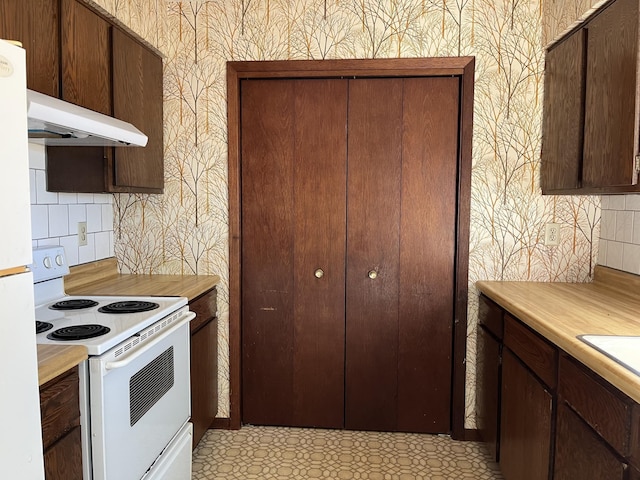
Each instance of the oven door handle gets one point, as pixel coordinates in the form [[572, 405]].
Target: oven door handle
[[161, 336]]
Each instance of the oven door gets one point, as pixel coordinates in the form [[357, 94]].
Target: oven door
[[138, 402]]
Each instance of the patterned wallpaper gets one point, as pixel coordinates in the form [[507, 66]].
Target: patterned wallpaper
[[185, 230]]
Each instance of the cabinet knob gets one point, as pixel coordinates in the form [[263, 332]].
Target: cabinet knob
[[319, 273], [372, 274]]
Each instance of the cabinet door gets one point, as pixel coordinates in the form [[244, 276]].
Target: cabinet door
[[137, 99], [563, 120], [293, 251], [525, 427], [610, 126], [581, 453], [35, 24], [86, 57], [204, 378], [63, 461], [488, 390]]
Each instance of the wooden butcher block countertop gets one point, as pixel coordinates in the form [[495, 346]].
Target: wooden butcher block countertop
[[102, 278], [610, 305], [54, 360]]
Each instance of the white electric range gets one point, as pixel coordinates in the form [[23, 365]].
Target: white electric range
[[135, 386]]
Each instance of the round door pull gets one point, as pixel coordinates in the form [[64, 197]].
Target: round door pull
[[372, 274], [319, 273]]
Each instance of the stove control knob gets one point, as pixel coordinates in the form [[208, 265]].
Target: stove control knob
[[59, 260], [47, 262]]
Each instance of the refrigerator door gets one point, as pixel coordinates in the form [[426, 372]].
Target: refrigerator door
[[20, 436], [15, 208]]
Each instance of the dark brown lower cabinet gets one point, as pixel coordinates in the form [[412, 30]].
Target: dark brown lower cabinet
[[204, 364], [581, 453], [63, 460], [526, 423], [60, 416], [557, 418], [488, 372]]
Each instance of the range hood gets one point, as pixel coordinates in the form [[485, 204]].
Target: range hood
[[56, 122]]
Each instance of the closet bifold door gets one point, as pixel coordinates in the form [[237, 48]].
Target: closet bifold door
[[293, 171], [427, 252], [373, 242], [402, 175]]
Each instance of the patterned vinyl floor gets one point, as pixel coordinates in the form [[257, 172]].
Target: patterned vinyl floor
[[300, 453]]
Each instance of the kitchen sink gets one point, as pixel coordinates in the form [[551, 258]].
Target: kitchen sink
[[624, 350]]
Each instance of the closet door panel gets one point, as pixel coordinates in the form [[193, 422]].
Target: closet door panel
[[427, 253], [373, 219], [320, 242], [267, 251], [294, 225]]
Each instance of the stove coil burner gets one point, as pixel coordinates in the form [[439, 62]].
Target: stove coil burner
[[78, 332], [128, 306], [74, 304], [42, 326]]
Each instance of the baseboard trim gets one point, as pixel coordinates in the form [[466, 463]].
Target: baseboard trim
[[221, 423], [472, 435]]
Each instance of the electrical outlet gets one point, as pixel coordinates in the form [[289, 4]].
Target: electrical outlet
[[552, 234], [82, 234]]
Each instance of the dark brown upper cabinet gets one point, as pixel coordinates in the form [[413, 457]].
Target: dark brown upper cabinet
[[137, 99], [35, 24], [85, 57], [75, 53], [591, 108]]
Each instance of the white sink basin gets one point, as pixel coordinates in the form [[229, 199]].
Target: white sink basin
[[622, 349]]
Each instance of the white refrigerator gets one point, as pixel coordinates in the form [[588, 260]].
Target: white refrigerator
[[20, 430]]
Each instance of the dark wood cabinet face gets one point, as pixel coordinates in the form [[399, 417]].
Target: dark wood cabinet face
[[349, 224], [86, 57], [63, 461], [106, 70], [609, 130], [137, 99], [488, 371], [526, 423], [61, 436], [204, 378], [580, 453], [35, 24], [590, 123], [563, 120]]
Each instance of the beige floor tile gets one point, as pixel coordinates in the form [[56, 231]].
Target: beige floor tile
[[301, 453]]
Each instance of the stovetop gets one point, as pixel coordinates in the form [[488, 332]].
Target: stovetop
[[121, 325], [49, 268]]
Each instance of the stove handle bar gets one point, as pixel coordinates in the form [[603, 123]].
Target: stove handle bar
[[147, 346]]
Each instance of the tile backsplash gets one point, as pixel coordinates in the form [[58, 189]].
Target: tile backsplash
[[55, 216], [620, 233]]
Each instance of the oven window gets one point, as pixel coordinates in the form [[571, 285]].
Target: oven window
[[149, 384]]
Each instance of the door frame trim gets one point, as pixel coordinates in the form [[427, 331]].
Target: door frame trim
[[463, 67]]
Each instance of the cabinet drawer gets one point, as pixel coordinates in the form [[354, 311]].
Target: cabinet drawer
[[605, 409], [538, 354], [205, 308], [491, 316], [59, 407]]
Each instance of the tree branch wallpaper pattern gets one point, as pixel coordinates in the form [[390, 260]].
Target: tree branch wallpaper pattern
[[185, 231]]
